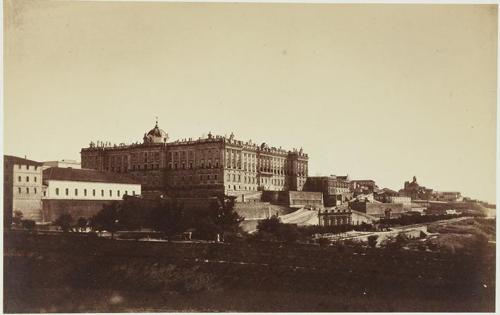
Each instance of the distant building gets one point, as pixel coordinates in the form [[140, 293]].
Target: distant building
[[384, 194], [206, 166], [451, 196], [335, 189], [62, 163], [22, 190], [83, 192], [378, 209], [362, 186], [390, 196], [415, 191]]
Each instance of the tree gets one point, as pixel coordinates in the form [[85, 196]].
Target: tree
[[323, 241], [270, 225], [289, 233], [395, 243], [107, 219], [82, 224], [135, 213], [372, 241], [28, 224], [18, 217], [168, 217], [273, 229], [225, 218], [64, 221]]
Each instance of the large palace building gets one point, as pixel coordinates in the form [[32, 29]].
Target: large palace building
[[207, 166]]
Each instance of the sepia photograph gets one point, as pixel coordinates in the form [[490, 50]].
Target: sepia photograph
[[164, 156]]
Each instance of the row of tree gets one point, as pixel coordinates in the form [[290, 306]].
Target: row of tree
[[163, 215], [272, 229]]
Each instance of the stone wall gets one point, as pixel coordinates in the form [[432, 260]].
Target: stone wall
[[52, 208], [259, 210], [303, 198], [378, 209], [275, 196]]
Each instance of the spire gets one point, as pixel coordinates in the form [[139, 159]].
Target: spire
[[156, 125]]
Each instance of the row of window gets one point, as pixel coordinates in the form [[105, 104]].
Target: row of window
[[336, 221], [146, 167], [184, 166], [20, 190], [206, 153], [190, 178], [19, 166], [102, 192], [253, 180], [20, 179], [234, 187]]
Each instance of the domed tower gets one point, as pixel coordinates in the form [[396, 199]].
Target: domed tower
[[156, 135]]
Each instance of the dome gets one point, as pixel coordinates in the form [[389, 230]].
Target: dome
[[156, 135]]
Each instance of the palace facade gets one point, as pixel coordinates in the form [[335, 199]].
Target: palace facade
[[206, 166]]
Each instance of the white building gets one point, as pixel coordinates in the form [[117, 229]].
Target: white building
[[83, 192], [22, 188]]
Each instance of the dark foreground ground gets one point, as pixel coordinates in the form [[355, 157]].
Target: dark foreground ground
[[80, 274]]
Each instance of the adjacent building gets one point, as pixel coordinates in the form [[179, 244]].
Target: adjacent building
[[335, 189], [205, 166], [362, 186], [83, 192], [22, 188]]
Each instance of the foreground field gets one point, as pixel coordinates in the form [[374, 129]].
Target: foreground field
[[80, 274]]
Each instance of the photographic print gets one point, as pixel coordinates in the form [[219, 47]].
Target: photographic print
[[249, 157]]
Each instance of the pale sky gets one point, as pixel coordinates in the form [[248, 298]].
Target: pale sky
[[379, 92]]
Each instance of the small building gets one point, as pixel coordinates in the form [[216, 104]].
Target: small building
[[362, 186], [22, 190], [83, 192], [384, 194], [450, 196], [335, 189], [378, 209], [335, 216]]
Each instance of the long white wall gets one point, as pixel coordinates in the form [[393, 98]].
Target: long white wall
[[56, 189]]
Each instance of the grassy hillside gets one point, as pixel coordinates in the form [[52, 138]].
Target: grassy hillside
[[72, 273]]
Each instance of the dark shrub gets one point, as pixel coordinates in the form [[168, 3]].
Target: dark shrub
[[372, 240], [323, 241], [421, 247], [28, 224], [18, 217]]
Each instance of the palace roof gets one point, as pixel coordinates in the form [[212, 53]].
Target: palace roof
[[86, 175]]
